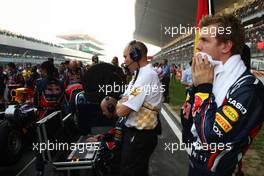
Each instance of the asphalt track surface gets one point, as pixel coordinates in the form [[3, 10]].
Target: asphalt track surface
[[167, 159]]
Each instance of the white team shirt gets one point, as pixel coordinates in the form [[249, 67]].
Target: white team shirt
[[144, 95]]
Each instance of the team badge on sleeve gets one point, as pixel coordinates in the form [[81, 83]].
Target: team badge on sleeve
[[222, 122], [136, 91], [230, 113]]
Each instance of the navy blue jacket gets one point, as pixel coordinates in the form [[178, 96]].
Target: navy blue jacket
[[220, 136]]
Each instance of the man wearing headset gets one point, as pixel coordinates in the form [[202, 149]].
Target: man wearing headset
[[140, 104], [111, 141]]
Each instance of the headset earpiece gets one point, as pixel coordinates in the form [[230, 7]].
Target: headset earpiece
[[111, 108], [111, 105], [135, 53]]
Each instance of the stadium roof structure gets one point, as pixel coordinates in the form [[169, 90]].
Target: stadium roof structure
[[20, 46], [154, 17], [79, 37], [82, 42]]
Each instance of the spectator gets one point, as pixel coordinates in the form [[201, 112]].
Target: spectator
[[95, 59], [72, 84], [49, 91], [56, 72], [14, 79], [48, 97], [186, 79], [3, 79], [27, 74], [73, 74], [87, 67], [159, 69], [155, 66], [115, 61], [62, 70], [173, 70], [66, 63], [165, 79]]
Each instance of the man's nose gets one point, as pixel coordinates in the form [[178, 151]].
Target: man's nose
[[126, 61], [199, 46]]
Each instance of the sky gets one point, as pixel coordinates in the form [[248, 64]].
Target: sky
[[109, 21]]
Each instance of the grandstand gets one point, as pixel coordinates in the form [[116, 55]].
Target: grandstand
[[15, 35], [82, 42], [22, 49]]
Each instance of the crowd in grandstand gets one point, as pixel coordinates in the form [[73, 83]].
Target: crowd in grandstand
[[182, 50], [250, 9], [256, 33]]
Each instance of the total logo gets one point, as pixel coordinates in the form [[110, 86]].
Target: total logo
[[230, 113]]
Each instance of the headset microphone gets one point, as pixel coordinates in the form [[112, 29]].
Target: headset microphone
[[126, 67]]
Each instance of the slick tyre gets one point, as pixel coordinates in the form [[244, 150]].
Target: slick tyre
[[11, 144]]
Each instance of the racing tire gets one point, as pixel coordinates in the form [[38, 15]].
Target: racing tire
[[11, 144]]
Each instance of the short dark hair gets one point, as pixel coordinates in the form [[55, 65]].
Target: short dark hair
[[67, 62], [246, 56], [140, 45], [51, 59], [115, 60], [95, 59], [11, 65], [48, 66], [237, 34], [111, 103]]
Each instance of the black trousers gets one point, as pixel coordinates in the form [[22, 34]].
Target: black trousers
[[166, 82], [138, 145]]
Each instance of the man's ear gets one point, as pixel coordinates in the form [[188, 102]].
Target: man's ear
[[227, 46]]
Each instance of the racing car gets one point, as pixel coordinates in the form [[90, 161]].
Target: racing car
[[17, 124]]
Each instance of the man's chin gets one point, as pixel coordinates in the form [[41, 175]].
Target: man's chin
[[131, 71]]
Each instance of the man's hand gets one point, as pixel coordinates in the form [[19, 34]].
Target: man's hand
[[186, 84], [122, 110], [95, 138], [123, 99], [202, 70]]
